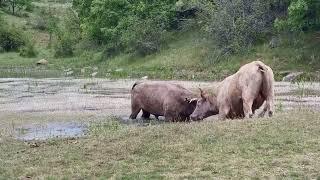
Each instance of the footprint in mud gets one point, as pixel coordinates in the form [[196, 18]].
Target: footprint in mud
[[50, 130]]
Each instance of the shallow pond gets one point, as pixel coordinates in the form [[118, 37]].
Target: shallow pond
[[50, 130]]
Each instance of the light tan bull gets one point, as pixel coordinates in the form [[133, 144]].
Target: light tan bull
[[240, 94]]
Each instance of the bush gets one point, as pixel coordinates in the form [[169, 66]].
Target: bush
[[11, 38], [126, 25], [67, 34], [303, 15], [143, 36], [237, 24], [39, 22], [28, 50], [63, 46]]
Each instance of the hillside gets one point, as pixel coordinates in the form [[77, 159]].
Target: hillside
[[187, 55]]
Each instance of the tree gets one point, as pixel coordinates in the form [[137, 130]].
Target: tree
[[303, 15], [237, 24], [2, 2], [117, 23], [19, 4]]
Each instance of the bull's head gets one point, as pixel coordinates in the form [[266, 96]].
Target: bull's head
[[206, 106]]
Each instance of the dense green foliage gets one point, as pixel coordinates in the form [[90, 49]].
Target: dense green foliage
[[67, 34], [239, 23], [123, 25], [140, 26], [172, 38], [303, 15], [14, 5], [11, 38]]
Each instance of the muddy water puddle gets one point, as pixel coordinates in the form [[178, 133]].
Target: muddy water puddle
[[105, 98], [50, 130]]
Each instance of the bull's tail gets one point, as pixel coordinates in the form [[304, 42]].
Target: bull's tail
[[267, 86], [136, 83]]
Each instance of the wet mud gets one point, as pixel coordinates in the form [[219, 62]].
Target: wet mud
[[101, 98]]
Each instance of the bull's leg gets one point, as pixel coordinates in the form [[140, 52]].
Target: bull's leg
[[263, 112], [184, 118], [271, 107], [268, 107], [170, 117], [248, 98], [223, 112], [135, 109], [145, 114]]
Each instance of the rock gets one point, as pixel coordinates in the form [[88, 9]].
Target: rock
[[34, 144], [67, 70], [274, 42], [42, 62], [144, 77], [94, 74], [83, 70], [292, 76], [119, 70], [69, 73]]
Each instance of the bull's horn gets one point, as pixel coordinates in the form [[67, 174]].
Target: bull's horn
[[201, 93]]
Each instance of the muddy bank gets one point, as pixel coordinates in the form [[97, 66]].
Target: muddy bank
[[52, 101], [109, 97]]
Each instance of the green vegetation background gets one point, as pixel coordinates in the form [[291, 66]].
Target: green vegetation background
[[198, 39]]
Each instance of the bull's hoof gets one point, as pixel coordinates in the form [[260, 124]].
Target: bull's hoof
[[270, 113], [132, 117]]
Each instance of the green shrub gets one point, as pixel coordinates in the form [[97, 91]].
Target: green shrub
[[11, 38], [303, 15], [126, 25], [67, 34], [39, 23], [63, 47], [28, 50], [235, 25], [143, 36]]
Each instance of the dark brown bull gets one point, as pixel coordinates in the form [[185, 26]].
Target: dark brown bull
[[161, 99], [240, 94]]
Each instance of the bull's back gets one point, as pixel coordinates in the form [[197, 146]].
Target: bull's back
[[154, 97]]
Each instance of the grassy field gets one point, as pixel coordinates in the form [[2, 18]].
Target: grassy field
[[285, 146]]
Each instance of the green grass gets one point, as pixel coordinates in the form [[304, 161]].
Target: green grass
[[285, 146], [185, 58]]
